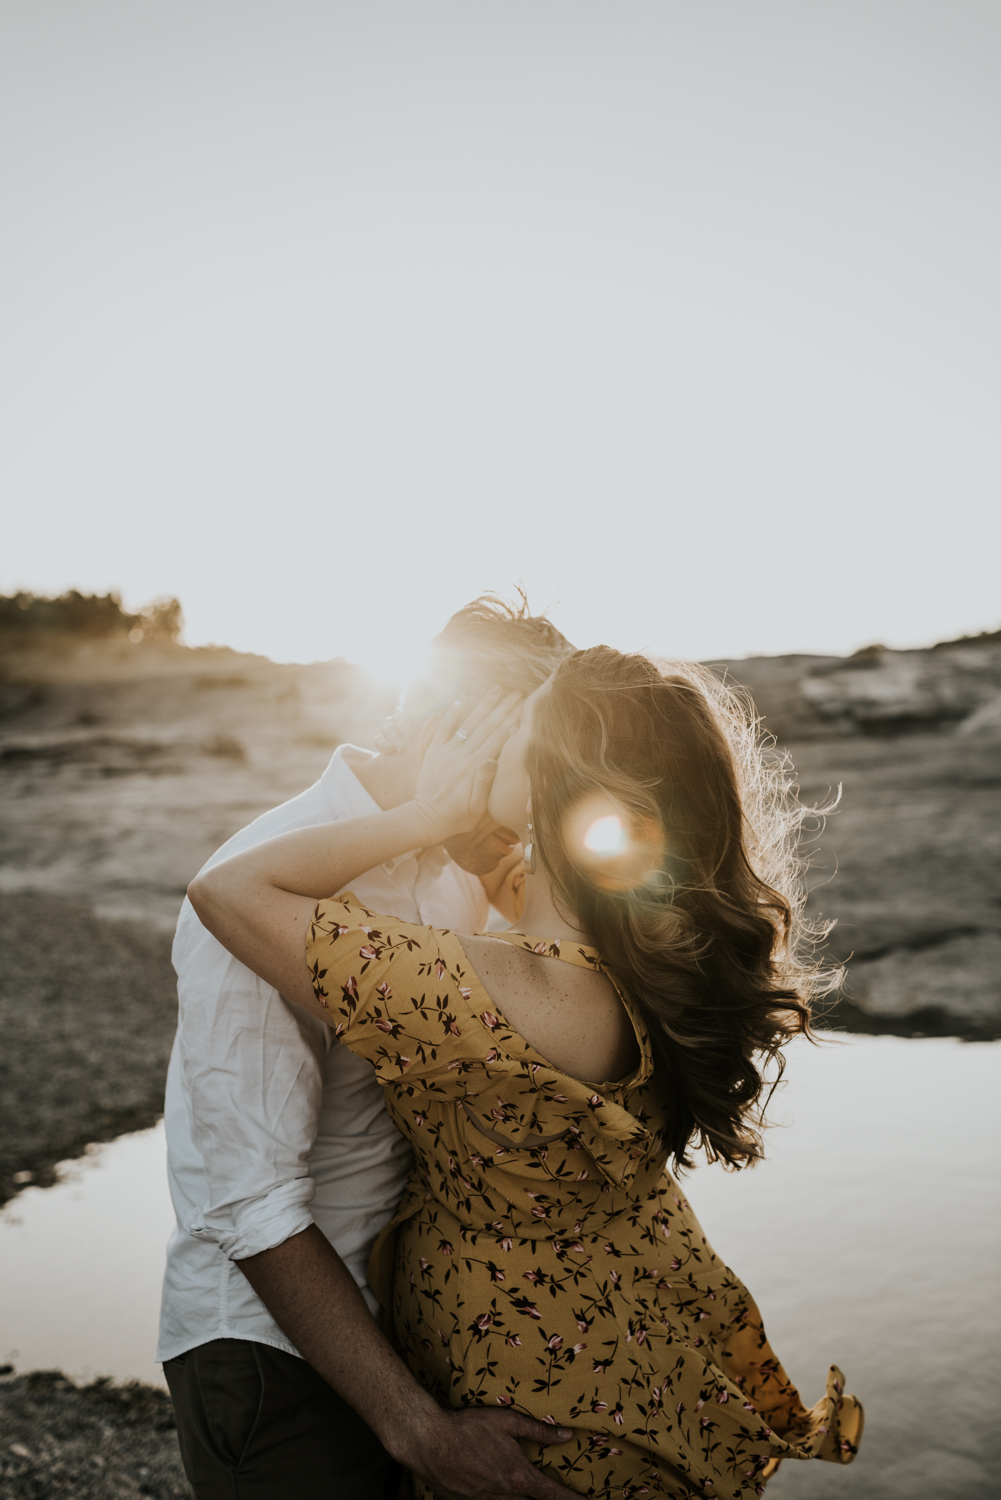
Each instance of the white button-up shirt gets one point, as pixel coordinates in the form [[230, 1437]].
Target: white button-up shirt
[[271, 1124]]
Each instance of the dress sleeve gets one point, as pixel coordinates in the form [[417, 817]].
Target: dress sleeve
[[390, 988]]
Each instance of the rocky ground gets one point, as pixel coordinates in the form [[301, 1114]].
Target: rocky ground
[[910, 864], [123, 766], [92, 1442], [85, 1058]]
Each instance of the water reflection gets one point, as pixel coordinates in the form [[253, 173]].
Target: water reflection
[[81, 1264], [870, 1237]]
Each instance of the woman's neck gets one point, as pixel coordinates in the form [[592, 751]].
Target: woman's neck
[[541, 917]]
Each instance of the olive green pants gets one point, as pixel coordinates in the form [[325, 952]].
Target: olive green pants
[[255, 1423]]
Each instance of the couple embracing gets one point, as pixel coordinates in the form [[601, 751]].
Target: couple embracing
[[427, 1227]]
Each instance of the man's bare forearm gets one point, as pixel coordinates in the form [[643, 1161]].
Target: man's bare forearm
[[312, 1296], [461, 1455]]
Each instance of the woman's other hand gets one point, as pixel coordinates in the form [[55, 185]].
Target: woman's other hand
[[460, 763], [484, 848]]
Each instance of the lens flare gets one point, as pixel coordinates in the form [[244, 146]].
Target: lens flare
[[617, 850], [606, 835]]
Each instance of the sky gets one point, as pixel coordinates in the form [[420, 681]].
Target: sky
[[325, 317]]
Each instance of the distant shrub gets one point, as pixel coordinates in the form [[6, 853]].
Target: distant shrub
[[982, 638], [89, 615]]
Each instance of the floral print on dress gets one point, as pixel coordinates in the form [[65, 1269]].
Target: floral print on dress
[[543, 1257]]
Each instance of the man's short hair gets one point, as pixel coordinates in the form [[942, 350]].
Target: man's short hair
[[486, 642]]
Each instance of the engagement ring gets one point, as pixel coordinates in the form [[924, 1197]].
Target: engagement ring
[[461, 734]]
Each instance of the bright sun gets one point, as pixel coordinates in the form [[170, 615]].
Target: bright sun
[[396, 662]]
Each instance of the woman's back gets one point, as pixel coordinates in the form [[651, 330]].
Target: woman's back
[[456, 1069], [573, 1016]]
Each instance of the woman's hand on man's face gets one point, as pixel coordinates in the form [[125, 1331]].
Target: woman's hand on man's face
[[481, 850], [459, 764]]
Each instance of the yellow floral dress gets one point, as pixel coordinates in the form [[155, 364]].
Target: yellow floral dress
[[543, 1257]]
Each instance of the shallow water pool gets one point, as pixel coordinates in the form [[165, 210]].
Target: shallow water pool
[[870, 1237], [81, 1264]]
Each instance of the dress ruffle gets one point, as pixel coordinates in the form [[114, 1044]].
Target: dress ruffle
[[834, 1428]]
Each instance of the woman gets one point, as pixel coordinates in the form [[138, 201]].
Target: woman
[[544, 1256]]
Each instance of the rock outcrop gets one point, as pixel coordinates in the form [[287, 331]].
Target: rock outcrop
[[910, 864], [876, 692]]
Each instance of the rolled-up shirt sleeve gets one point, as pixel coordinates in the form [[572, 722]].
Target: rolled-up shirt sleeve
[[253, 1080]]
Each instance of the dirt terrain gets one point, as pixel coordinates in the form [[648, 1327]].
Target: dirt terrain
[[124, 766]]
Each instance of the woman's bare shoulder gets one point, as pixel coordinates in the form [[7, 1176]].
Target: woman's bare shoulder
[[571, 1016]]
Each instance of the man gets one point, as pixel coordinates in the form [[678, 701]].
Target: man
[[284, 1165]]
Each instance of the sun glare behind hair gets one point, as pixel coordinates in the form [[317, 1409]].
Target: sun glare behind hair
[[615, 850], [606, 835]]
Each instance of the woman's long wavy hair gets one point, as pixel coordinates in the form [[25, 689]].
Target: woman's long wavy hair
[[711, 943]]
